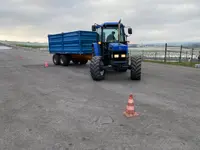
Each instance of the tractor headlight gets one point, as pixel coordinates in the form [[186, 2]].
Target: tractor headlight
[[123, 55], [116, 55]]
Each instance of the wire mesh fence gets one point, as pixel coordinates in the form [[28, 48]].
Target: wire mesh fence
[[168, 53]]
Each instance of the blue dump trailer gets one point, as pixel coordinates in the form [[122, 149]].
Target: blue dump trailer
[[106, 46], [73, 46]]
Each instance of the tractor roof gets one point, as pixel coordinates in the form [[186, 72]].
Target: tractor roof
[[109, 24]]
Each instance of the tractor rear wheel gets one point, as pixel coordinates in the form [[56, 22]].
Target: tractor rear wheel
[[136, 63], [96, 70]]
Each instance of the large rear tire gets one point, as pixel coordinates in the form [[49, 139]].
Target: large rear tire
[[136, 63], [64, 60], [56, 59], [96, 70]]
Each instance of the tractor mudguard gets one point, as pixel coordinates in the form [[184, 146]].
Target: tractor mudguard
[[96, 49]]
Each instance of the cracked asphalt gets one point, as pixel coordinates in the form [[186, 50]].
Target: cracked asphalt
[[62, 108]]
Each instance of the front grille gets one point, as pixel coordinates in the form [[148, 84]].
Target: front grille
[[119, 52]]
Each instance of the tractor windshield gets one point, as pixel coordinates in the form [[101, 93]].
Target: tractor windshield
[[110, 34]]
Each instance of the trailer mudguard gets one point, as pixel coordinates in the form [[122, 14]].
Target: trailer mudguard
[[96, 49]]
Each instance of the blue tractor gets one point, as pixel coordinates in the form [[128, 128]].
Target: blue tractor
[[111, 52]]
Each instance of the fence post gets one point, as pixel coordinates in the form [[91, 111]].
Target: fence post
[[180, 53], [186, 55], [143, 55], [165, 52], [192, 54], [199, 57], [155, 55]]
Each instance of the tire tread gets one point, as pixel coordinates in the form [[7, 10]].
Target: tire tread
[[136, 63], [95, 68]]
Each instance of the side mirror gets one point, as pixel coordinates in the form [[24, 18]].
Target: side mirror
[[93, 28], [129, 30]]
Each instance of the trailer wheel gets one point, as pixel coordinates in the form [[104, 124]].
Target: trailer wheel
[[83, 62], [136, 62], [56, 59], [96, 70], [64, 60]]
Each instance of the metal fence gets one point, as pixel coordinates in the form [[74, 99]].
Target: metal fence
[[167, 53]]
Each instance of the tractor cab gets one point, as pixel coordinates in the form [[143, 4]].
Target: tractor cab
[[112, 41], [111, 51], [111, 32]]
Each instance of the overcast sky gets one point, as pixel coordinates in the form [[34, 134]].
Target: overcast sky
[[151, 20]]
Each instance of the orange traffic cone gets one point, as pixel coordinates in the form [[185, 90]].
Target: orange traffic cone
[[130, 108], [46, 64]]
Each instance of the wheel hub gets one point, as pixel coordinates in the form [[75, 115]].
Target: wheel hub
[[55, 60], [61, 61], [102, 72]]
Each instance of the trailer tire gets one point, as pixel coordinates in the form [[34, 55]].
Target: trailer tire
[[83, 62], [56, 59], [64, 60], [136, 63], [96, 70]]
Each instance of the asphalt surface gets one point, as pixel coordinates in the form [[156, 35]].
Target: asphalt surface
[[62, 108]]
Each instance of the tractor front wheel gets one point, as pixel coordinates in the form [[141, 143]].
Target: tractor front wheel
[[136, 62], [96, 70]]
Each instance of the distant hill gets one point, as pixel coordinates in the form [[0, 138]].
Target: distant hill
[[25, 43]]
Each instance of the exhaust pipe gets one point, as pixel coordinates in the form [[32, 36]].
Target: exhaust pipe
[[119, 30]]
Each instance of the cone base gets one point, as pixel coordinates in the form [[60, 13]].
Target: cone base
[[131, 115]]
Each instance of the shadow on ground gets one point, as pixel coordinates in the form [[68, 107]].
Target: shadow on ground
[[110, 75]]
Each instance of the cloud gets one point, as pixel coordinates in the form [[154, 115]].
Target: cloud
[[151, 20]]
